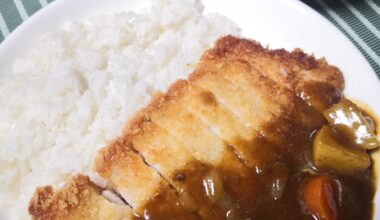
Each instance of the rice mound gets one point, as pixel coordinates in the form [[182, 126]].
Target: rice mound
[[77, 87]]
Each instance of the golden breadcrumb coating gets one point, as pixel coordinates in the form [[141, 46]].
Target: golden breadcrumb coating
[[78, 199]]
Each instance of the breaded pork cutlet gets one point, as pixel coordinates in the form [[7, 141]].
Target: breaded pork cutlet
[[78, 199], [226, 124], [206, 148]]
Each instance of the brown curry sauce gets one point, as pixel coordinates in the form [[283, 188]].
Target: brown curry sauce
[[248, 194]]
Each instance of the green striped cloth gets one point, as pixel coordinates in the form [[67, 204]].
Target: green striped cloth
[[359, 20]]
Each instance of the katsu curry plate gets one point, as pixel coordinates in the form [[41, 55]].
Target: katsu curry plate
[[171, 113]]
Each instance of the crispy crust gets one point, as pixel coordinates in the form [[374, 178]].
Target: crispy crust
[[72, 201], [46, 204], [136, 124], [296, 67], [127, 173], [230, 46], [107, 155]]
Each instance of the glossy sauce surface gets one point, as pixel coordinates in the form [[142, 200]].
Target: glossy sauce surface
[[271, 189]]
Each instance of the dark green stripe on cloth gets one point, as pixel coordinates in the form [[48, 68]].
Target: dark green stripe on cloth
[[377, 2], [31, 6], [367, 12], [11, 16], [357, 26], [1, 36]]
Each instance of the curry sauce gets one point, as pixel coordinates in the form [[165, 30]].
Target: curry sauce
[[283, 154]]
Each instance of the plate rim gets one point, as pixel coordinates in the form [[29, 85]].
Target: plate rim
[[13, 37]]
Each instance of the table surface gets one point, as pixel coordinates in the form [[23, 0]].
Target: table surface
[[359, 20]]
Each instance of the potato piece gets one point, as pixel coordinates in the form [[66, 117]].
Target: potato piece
[[328, 154], [347, 119]]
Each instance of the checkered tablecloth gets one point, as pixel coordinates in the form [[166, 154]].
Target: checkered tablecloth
[[359, 20]]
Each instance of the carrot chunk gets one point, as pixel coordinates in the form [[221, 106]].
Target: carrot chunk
[[321, 196]]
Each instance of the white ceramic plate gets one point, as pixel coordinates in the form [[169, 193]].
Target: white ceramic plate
[[278, 23]]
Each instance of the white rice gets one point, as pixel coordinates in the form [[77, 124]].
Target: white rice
[[76, 88]]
